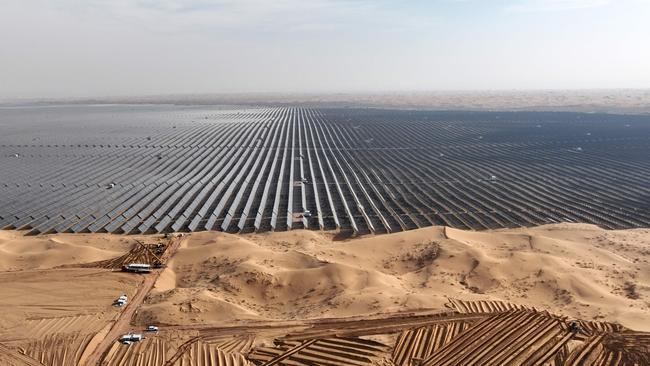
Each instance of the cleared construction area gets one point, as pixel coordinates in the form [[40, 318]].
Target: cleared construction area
[[149, 254], [490, 337], [148, 169]]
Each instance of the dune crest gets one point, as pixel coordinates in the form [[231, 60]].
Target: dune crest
[[576, 270], [18, 252]]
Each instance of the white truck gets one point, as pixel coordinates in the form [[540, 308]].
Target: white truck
[[137, 268], [121, 301], [130, 338]]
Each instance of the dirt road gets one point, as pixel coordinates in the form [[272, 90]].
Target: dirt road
[[123, 323]]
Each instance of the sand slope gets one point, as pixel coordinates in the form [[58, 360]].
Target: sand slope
[[572, 269], [577, 270], [18, 252]]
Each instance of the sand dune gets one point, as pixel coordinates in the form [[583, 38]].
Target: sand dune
[[18, 252], [52, 307], [577, 270], [572, 269]]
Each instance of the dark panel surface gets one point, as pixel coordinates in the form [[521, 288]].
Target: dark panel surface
[[141, 169]]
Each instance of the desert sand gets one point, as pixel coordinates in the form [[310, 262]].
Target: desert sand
[[51, 304], [57, 306], [575, 270], [19, 252], [629, 101]]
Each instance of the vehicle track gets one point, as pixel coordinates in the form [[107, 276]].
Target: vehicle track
[[122, 324]]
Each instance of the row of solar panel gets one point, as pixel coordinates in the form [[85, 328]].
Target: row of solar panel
[[318, 178]]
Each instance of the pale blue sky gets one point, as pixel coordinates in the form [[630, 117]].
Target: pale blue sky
[[134, 47]]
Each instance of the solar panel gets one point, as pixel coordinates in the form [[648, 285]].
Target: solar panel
[[355, 169]]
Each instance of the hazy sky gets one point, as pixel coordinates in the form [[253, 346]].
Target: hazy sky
[[133, 47]]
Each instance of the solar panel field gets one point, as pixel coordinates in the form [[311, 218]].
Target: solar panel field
[[163, 168]]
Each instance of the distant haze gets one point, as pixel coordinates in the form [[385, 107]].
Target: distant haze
[[74, 48]]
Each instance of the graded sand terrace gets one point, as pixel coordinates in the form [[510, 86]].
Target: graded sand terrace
[[223, 299]]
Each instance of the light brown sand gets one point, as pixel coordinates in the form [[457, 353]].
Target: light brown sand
[[19, 252], [215, 278], [571, 269], [40, 302], [39, 299]]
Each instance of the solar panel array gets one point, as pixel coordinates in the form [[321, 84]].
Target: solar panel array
[[145, 169]]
